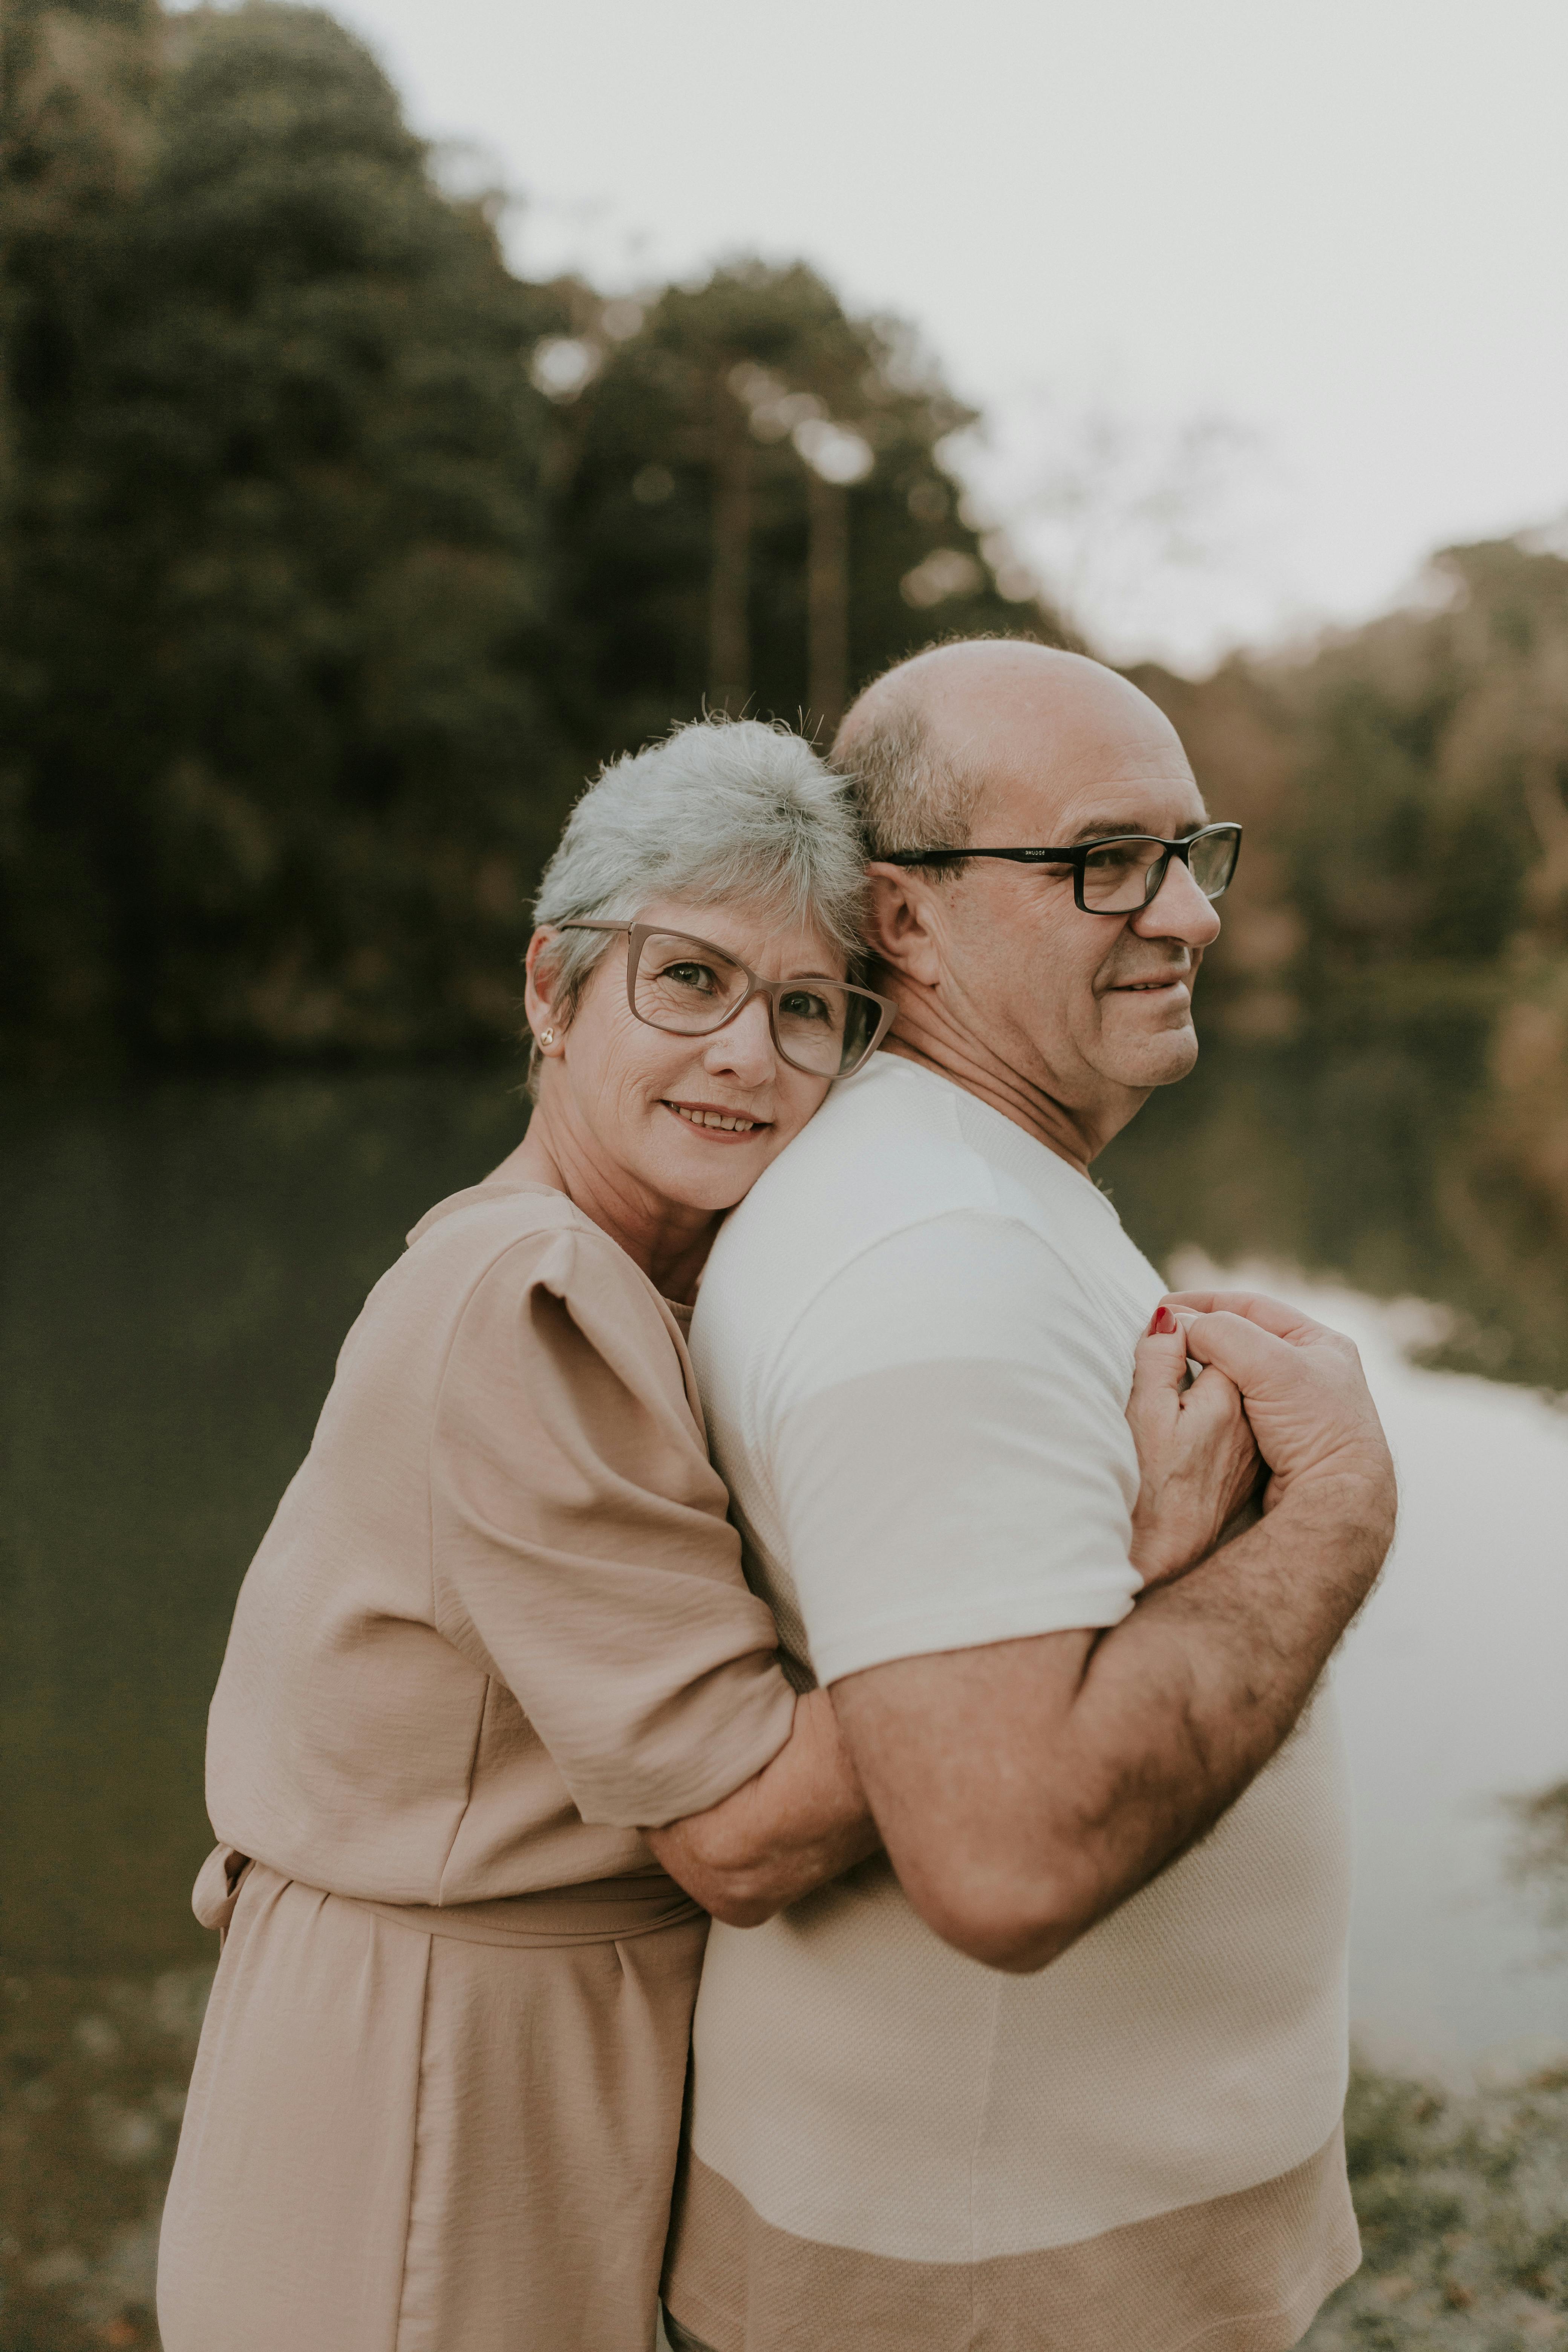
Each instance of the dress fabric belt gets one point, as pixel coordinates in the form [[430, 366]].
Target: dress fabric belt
[[601, 1911]]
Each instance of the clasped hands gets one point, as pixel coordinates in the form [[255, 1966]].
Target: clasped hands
[[1278, 1410]]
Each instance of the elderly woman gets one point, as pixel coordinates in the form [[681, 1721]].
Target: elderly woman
[[497, 1642]]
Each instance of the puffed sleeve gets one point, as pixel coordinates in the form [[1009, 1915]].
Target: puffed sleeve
[[581, 1550]]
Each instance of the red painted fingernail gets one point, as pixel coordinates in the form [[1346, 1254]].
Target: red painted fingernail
[[1163, 1323]]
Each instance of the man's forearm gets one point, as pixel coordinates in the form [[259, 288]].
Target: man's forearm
[[1067, 1771], [1183, 1704]]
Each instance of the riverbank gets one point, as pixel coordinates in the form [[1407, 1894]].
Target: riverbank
[[1463, 2203], [92, 2086]]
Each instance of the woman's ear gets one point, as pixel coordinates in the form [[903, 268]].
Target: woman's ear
[[900, 929], [538, 987]]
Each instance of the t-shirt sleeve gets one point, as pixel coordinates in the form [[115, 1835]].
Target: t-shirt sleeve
[[581, 1547], [951, 1458]]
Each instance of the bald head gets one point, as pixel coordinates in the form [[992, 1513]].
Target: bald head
[[1061, 1016], [941, 744]]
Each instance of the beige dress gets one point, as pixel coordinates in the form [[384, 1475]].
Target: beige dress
[[498, 1622]]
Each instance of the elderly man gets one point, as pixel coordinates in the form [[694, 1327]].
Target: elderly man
[[1065, 2069]]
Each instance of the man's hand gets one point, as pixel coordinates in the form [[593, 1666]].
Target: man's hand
[[1306, 1398], [1197, 1461]]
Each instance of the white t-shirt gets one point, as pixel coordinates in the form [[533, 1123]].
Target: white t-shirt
[[915, 1337], [914, 1342]]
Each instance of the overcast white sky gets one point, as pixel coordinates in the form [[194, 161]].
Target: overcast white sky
[[1339, 225]]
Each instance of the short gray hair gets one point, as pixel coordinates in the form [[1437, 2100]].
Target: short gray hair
[[723, 810], [910, 792]]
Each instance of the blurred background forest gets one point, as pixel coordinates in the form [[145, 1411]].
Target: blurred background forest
[[335, 556]]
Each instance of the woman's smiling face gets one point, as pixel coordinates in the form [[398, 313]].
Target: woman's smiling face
[[692, 1121]]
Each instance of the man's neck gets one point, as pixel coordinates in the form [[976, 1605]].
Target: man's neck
[[921, 1033]]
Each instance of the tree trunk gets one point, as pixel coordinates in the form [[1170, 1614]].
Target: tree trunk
[[729, 637], [827, 605]]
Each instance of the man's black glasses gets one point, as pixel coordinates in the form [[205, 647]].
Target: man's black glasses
[[1114, 877]]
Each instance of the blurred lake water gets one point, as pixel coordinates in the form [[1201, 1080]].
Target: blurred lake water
[[181, 1261]]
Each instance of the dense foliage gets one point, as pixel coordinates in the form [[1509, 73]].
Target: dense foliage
[[332, 556], [1406, 780], [276, 561], [746, 368], [1404, 894]]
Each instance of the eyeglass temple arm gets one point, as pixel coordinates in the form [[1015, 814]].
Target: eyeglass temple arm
[[1035, 854]]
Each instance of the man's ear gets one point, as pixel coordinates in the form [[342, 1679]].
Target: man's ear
[[902, 924], [538, 990]]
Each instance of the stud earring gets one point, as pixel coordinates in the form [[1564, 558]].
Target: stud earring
[[547, 1037]]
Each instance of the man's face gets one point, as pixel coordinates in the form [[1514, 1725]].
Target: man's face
[[1093, 1009]]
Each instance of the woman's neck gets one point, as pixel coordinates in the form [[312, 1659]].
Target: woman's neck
[[670, 1242]]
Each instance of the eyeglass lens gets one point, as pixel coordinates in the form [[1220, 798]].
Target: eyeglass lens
[[1119, 875], [685, 987]]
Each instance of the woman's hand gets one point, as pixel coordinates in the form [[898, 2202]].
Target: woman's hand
[[799, 1821], [1199, 1463]]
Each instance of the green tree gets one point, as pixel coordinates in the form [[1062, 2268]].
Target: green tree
[[74, 83], [699, 536], [322, 589], [284, 592], [1405, 882], [1405, 785]]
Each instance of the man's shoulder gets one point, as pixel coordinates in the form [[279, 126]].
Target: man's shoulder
[[900, 1155], [885, 1144], [885, 1154]]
